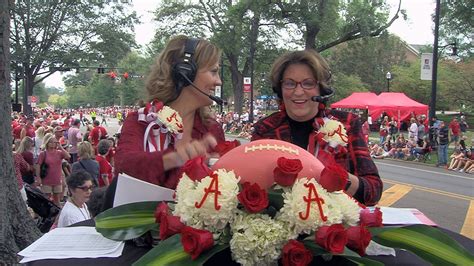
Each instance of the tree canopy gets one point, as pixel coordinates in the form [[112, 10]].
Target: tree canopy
[[50, 36]]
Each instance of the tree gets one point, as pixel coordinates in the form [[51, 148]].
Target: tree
[[244, 28], [369, 59], [17, 229], [324, 24], [456, 24], [50, 36], [457, 84]]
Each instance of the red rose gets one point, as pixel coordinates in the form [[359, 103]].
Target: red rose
[[195, 241], [332, 238], [170, 225], [333, 178], [358, 238], [196, 168], [225, 146], [295, 253], [286, 171], [161, 210], [253, 197], [371, 218]]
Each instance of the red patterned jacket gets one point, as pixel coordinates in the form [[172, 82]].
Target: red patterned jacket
[[357, 161]]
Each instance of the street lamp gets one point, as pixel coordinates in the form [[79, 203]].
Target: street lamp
[[388, 76]]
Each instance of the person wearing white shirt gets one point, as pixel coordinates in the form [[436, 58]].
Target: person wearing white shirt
[[413, 130], [79, 189]]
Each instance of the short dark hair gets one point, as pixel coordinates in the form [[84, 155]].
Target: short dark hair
[[96, 201], [310, 58], [96, 122], [103, 146], [76, 121], [77, 179]]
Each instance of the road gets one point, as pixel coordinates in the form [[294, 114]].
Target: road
[[446, 197]]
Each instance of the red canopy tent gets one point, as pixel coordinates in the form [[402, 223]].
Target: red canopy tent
[[359, 100], [394, 104], [398, 105]]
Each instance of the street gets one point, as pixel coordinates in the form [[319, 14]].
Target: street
[[446, 197]]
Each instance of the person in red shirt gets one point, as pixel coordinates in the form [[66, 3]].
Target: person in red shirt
[[105, 169], [156, 156], [455, 130], [97, 133]]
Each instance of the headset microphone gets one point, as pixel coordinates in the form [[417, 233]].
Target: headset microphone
[[323, 98], [216, 99]]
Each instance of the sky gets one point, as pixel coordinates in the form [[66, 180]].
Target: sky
[[417, 29]]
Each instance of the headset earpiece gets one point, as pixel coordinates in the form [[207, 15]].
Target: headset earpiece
[[186, 67]]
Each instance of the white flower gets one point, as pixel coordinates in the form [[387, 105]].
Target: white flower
[[334, 132], [348, 206], [294, 204], [257, 239], [188, 193], [171, 119]]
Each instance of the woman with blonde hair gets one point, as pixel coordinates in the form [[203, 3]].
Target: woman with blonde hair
[[179, 86], [26, 150], [38, 141], [86, 161], [52, 155]]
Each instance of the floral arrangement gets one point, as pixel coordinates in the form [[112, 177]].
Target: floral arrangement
[[163, 125], [170, 119], [292, 221]]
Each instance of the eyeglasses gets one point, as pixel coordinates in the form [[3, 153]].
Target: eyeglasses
[[85, 189], [307, 84]]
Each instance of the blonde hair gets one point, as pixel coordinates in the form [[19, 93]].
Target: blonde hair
[[39, 133], [160, 84], [85, 150], [25, 145], [47, 138]]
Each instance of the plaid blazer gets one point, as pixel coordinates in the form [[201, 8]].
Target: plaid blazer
[[356, 161]]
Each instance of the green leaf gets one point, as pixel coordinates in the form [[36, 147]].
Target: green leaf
[[170, 252], [275, 198], [127, 221], [427, 242], [317, 250], [363, 261]]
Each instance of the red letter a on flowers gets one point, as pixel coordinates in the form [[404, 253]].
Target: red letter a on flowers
[[213, 188], [309, 199]]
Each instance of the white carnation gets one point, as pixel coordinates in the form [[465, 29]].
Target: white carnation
[[176, 123], [329, 130], [188, 193], [294, 204], [348, 206]]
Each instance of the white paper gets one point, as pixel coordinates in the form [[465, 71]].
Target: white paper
[[72, 242], [398, 216], [130, 190]]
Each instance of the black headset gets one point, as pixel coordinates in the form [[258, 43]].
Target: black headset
[[184, 71]]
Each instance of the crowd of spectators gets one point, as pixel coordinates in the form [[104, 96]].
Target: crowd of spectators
[[49, 147], [418, 146]]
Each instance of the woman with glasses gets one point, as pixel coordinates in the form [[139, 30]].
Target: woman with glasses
[[300, 80], [53, 154], [79, 191]]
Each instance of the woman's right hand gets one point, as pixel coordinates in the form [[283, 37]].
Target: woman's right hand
[[188, 151]]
